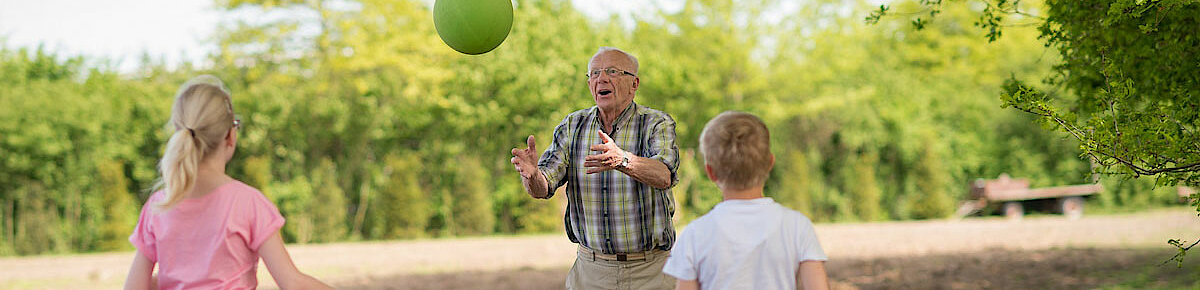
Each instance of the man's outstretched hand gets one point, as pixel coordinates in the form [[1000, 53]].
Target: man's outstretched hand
[[525, 160]]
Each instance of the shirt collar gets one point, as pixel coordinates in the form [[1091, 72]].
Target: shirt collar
[[620, 120], [746, 202]]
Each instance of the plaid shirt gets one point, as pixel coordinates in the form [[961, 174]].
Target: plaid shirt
[[611, 212]]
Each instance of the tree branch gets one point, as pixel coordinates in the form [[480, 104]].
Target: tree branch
[[1079, 135], [1014, 10], [1182, 250]]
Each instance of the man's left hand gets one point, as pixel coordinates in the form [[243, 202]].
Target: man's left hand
[[609, 158]]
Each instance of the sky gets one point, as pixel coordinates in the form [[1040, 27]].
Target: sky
[[120, 30], [173, 30]]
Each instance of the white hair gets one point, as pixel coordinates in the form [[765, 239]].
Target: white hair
[[604, 49]]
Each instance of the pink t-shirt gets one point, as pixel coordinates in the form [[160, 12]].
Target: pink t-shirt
[[210, 242]]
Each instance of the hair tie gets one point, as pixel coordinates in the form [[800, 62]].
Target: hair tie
[[192, 131]]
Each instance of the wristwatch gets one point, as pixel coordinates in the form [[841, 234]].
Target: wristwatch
[[624, 161]]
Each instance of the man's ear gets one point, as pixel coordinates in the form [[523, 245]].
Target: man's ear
[[636, 82]]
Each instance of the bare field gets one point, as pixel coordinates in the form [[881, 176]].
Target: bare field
[[1037, 252], [1000, 269]]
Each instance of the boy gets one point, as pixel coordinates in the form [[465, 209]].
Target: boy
[[747, 241]]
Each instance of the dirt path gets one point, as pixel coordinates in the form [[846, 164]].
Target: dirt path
[[516, 262]]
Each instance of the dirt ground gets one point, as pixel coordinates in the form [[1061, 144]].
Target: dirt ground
[[1040, 252], [1000, 269]]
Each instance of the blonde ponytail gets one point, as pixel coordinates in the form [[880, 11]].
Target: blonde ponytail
[[201, 116]]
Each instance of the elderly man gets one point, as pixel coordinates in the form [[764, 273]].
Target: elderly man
[[618, 160]]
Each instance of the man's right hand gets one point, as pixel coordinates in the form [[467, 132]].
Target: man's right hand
[[525, 160]]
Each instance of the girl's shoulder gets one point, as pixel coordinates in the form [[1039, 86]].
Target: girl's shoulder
[[237, 186], [245, 200], [240, 191]]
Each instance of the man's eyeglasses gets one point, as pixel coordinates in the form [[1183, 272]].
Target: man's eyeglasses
[[237, 123], [612, 72]]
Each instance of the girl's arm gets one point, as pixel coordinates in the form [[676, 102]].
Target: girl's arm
[[279, 263], [140, 273], [812, 275], [687, 284]]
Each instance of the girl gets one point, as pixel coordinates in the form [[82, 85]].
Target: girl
[[205, 229]]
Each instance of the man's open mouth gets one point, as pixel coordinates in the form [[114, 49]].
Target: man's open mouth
[[605, 92]]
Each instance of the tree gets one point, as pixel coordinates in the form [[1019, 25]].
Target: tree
[[864, 190], [402, 208], [329, 204], [1126, 88], [294, 200], [932, 200], [119, 212], [800, 187], [471, 207], [360, 100]]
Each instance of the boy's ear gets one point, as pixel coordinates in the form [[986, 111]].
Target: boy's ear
[[772, 164], [708, 170]]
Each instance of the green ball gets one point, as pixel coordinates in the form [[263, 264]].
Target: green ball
[[473, 26]]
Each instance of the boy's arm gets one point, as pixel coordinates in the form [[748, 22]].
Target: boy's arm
[[140, 273], [687, 285], [279, 263], [811, 275]]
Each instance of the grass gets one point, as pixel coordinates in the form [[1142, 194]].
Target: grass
[[1169, 275]]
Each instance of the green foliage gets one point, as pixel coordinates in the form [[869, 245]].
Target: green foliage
[[119, 211], [257, 172], [1126, 87], [1130, 83], [695, 194], [471, 205], [402, 209], [864, 188], [933, 199], [36, 231], [329, 204], [294, 198], [516, 212], [799, 185], [74, 147], [359, 123]]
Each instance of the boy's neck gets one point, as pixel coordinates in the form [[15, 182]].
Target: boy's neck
[[749, 193]]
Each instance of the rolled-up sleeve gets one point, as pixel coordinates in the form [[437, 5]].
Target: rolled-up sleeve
[[662, 146], [142, 237], [554, 161]]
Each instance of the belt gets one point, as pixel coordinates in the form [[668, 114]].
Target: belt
[[585, 252]]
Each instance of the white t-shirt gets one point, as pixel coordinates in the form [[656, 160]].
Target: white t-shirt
[[745, 244]]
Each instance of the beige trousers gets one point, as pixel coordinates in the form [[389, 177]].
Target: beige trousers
[[587, 274]]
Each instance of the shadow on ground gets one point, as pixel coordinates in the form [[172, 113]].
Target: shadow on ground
[[989, 269]]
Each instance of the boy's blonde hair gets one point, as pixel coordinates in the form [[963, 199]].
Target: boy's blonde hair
[[201, 117], [738, 148]]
